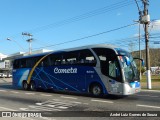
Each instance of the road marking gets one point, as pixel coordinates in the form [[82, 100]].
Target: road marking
[[147, 95], [143, 95], [14, 92], [69, 97], [43, 108], [85, 103], [62, 107], [3, 90], [104, 101], [148, 106], [76, 102], [46, 95], [30, 93], [55, 106], [8, 109], [151, 90], [46, 118], [39, 103], [154, 96], [23, 109]]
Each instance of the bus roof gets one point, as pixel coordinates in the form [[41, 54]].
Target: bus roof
[[71, 49]]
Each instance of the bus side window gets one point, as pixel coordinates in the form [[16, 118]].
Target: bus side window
[[46, 62], [16, 64], [51, 60], [87, 58], [71, 58], [57, 59], [30, 62], [23, 63]]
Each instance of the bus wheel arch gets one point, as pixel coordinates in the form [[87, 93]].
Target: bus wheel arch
[[96, 89], [25, 85]]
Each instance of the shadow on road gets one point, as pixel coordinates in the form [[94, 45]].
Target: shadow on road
[[8, 85], [109, 97]]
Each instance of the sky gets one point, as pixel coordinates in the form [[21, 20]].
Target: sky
[[61, 24]]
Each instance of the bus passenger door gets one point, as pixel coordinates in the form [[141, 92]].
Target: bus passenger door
[[114, 82]]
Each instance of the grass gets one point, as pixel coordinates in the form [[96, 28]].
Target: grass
[[155, 80]]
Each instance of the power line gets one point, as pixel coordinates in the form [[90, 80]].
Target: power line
[[85, 15], [137, 6], [88, 36], [96, 12]]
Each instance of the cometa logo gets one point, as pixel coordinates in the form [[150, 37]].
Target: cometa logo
[[70, 70]]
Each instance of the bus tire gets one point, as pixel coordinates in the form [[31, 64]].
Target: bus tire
[[32, 86], [96, 90], [25, 85]]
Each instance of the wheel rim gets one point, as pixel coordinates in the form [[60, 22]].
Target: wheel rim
[[32, 86], [25, 86], [96, 90]]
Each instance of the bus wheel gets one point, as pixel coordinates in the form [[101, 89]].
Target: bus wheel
[[96, 90], [25, 85], [32, 86]]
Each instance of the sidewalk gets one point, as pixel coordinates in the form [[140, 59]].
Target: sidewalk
[[147, 90], [5, 80]]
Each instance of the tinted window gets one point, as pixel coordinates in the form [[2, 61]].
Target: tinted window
[[70, 58], [109, 62], [87, 58], [55, 59], [30, 62], [26, 62], [79, 57], [16, 64]]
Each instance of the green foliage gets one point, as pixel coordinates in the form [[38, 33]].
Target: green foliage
[[154, 56], [143, 70]]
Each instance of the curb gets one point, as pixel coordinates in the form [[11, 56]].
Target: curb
[[150, 90]]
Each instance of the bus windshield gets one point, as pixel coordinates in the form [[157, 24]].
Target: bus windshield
[[130, 71]]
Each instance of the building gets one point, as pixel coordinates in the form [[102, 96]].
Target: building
[[2, 56], [3, 63], [4, 66], [6, 61]]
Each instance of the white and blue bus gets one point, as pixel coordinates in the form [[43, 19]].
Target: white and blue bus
[[96, 69]]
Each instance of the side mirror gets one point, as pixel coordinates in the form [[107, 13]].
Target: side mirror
[[127, 60], [141, 60]]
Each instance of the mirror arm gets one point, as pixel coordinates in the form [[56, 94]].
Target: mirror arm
[[138, 59]]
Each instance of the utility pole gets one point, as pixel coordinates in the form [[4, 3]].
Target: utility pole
[[140, 20], [140, 56], [145, 19], [29, 41]]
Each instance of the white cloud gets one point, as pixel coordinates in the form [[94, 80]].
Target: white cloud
[[119, 14], [136, 35], [155, 25]]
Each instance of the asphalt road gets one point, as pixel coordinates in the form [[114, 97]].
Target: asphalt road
[[75, 106]]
